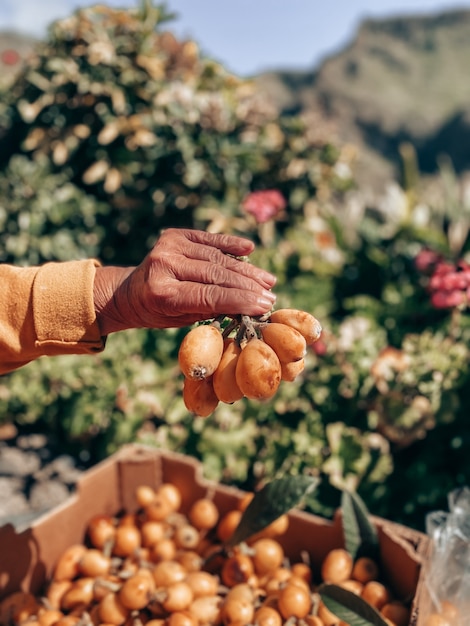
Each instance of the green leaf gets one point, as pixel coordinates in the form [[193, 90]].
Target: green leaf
[[360, 535], [270, 502], [350, 607]]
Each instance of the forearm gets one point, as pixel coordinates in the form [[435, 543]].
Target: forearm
[[70, 307]]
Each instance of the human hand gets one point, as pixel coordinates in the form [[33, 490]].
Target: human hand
[[188, 276]]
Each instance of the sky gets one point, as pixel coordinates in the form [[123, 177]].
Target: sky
[[247, 36]]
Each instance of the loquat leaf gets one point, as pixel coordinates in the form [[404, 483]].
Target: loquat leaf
[[349, 607], [273, 500], [360, 535]]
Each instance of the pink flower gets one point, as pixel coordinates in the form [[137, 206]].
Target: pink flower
[[426, 260], [454, 280], [443, 268], [319, 347], [264, 205], [447, 299], [10, 57]]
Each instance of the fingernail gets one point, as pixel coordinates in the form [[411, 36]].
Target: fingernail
[[269, 278], [269, 295], [264, 303]]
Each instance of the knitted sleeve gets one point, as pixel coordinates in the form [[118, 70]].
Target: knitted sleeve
[[47, 310]]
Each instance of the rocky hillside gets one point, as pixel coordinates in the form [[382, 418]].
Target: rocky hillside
[[400, 80]]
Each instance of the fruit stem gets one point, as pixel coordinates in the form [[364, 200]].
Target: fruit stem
[[217, 322], [263, 318], [233, 324], [249, 326], [85, 620]]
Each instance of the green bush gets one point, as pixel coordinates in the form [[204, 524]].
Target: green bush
[[117, 130], [116, 109]]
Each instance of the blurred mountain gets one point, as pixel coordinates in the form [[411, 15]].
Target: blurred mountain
[[403, 79]]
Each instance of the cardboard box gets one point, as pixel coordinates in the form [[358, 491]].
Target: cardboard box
[[27, 556]]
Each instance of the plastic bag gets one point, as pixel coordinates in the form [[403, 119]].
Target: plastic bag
[[447, 574]]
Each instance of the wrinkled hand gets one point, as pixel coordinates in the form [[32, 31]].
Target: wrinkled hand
[[188, 276]]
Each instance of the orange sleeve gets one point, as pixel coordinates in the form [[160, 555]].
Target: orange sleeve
[[47, 310]]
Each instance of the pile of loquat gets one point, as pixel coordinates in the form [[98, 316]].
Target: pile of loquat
[[161, 567]]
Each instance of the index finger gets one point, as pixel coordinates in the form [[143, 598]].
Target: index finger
[[229, 244]]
